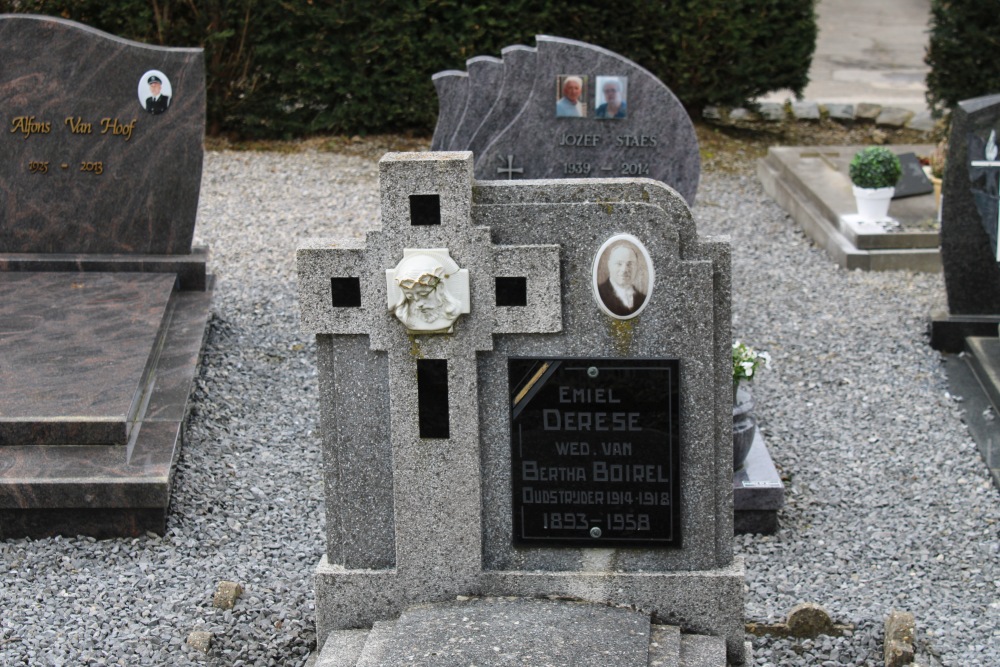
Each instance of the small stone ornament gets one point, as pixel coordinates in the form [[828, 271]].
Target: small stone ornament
[[427, 291]]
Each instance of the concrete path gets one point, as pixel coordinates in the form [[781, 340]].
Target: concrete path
[[869, 51]]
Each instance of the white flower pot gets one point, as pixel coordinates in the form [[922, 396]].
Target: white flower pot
[[873, 204]]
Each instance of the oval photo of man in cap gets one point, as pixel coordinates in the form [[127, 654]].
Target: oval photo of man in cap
[[155, 92]]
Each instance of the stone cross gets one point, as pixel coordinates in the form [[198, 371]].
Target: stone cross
[[432, 439]]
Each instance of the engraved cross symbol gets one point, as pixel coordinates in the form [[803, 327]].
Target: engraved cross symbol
[[509, 169]]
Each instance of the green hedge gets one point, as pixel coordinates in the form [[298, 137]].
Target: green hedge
[[300, 67], [965, 38]]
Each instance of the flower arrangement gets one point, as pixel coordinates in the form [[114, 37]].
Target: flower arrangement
[[875, 167], [937, 159], [746, 362]]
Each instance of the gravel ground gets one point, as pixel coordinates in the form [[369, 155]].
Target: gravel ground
[[888, 504]]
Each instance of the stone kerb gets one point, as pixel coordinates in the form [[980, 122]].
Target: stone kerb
[[415, 519], [522, 136], [87, 168]]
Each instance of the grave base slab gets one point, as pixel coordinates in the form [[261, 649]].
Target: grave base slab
[[508, 630], [705, 601], [117, 488], [812, 184], [948, 332]]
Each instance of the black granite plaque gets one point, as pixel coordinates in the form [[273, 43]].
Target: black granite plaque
[[594, 452], [971, 271]]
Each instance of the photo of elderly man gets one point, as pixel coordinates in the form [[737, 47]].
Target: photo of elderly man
[[623, 276], [571, 91]]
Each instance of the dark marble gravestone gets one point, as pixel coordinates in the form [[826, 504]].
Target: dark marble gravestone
[[508, 117], [103, 300], [968, 254]]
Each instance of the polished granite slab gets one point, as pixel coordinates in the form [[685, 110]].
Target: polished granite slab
[[77, 350], [111, 490], [191, 269], [974, 376], [758, 492]]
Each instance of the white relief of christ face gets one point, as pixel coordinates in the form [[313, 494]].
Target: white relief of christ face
[[425, 304]]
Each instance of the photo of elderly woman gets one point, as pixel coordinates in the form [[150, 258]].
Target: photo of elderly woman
[[609, 97]]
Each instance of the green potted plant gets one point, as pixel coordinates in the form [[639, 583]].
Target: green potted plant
[[874, 171]]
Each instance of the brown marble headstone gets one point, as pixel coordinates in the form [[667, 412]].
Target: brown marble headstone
[[89, 162]]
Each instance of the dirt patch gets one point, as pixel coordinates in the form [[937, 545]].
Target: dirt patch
[[372, 146], [735, 149], [726, 148]]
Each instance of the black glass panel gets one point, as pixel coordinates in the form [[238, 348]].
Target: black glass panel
[[346, 292], [432, 397], [512, 291]]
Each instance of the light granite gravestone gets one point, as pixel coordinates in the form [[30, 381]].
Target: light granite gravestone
[[532, 441], [103, 300], [518, 123]]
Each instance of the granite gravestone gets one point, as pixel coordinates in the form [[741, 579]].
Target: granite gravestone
[[566, 109], [497, 422], [103, 299], [968, 226]]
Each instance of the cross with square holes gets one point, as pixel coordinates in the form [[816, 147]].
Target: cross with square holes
[[433, 413]]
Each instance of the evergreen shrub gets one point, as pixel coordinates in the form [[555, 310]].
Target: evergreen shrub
[[875, 167], [300, 67], [964, 41]]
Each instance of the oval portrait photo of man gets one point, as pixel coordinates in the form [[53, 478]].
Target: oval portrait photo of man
[[623, 276], [155, 92]]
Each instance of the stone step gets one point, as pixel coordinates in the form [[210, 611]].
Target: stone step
[[702, 651], [377, 643], [664, 646], [497, 632]]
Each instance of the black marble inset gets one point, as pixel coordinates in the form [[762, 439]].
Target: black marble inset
[[425, 210], [74, 353], [432, 398], [512, 291], [345, 292], [595, 452], [85, 168]]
